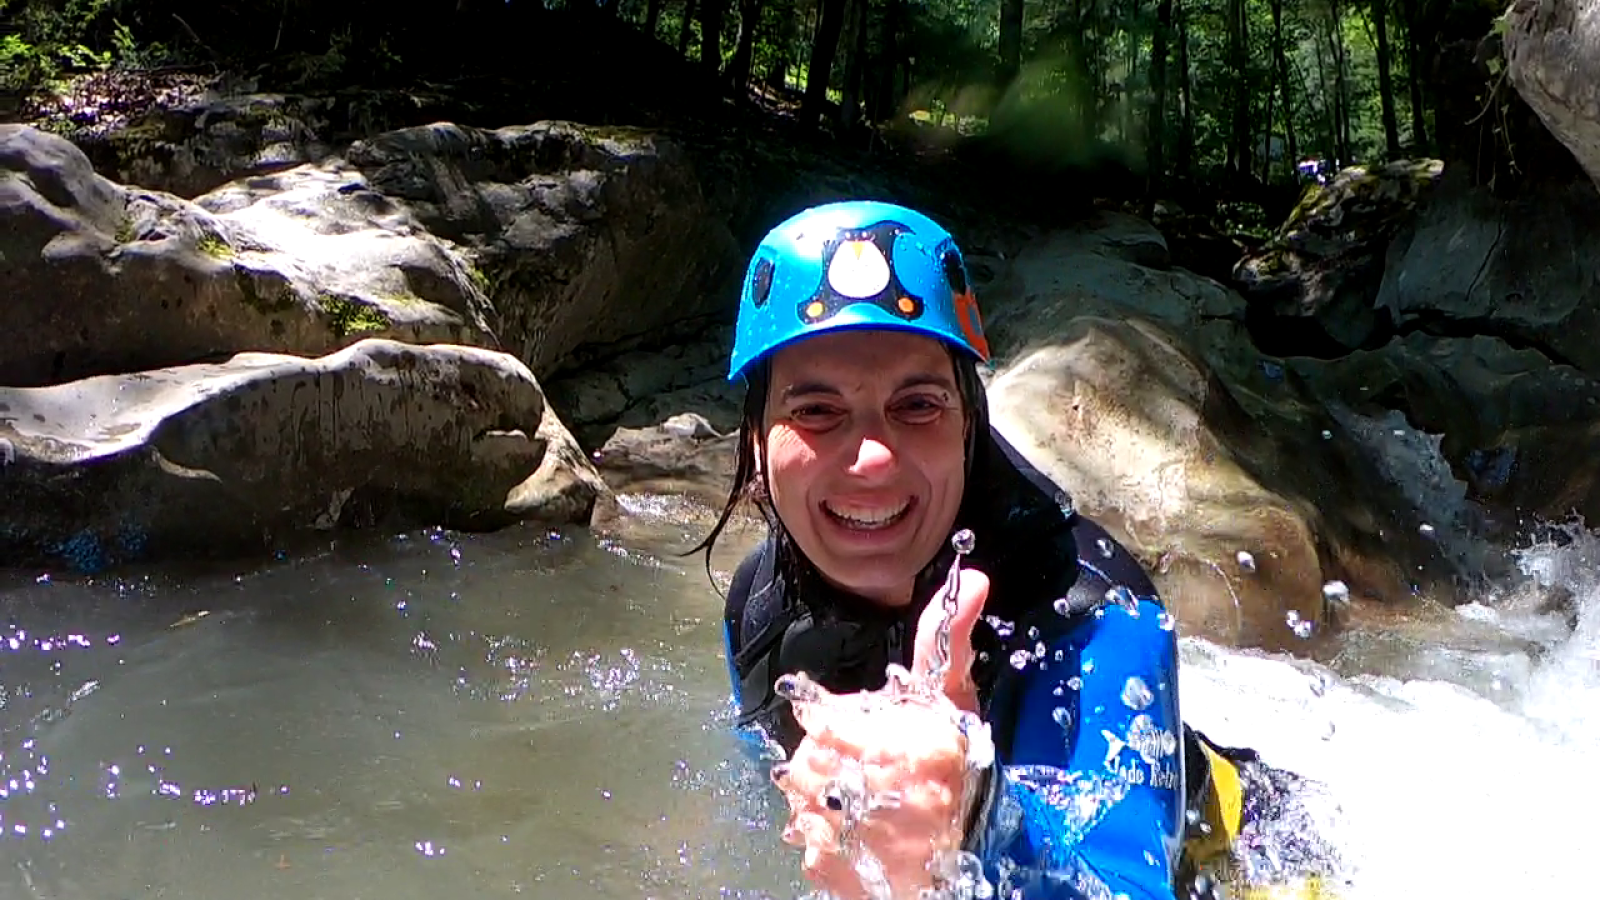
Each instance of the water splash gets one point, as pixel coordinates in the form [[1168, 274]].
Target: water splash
[[953, 874]]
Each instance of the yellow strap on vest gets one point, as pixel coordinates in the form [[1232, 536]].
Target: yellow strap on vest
[[1311, 888], [1227, 792], [1222, 810]]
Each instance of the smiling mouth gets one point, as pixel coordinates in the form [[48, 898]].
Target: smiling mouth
[[874, 519]]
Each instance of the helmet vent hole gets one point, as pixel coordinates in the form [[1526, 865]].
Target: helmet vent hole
[[761, 283], [954, 271]]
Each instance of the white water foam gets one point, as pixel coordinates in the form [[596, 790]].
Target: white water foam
[[1452, 784]]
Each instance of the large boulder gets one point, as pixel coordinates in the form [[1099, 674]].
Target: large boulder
[[241, 455], [1314, 283], [101, 279], [684, 454], [1509, 424], [1235, 510], [589, 237], [640, 388], [1552, 48], [1524, 268], [1111, 263]]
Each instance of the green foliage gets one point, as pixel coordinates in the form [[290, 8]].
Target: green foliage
[[347, 317], [1084, 81], [49, 40]]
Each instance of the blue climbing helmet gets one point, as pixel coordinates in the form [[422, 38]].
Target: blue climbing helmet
[[857, 264]]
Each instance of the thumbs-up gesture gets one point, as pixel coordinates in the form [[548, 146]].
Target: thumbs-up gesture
[[906, 761]]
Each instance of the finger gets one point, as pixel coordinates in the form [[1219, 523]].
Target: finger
[[969, 605]]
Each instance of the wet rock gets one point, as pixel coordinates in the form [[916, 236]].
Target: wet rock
[[1325, 263], [639, 389], [238, 456], [1522, 269], [102, 279], [588, 237], [1153, 444], [205, 140], [1481, 394], [1552, 49], [1111, 264], [683, 455]]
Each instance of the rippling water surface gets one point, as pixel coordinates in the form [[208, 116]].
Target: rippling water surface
[[543, 714], [425, 716]]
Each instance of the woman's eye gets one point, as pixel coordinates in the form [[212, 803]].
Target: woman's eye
[[813, 413], [920, 409]]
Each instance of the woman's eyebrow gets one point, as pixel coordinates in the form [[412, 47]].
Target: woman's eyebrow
[[916, 379], [926, 379], [803, 388]]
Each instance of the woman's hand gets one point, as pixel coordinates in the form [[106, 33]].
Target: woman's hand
[[912, 753]]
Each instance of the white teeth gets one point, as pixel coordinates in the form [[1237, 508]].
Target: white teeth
[[870, 518]]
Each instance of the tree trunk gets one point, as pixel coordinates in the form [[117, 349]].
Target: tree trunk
[[854, 65], [883, 101], [823, 50], [1419, 131], [1010, 44], [685, 31], [652, 17], [1341, 84], [712, 13], [1156, 127], [1185, 163], [1281, 61], [1239, 54], [744, 48], [1391, 125]]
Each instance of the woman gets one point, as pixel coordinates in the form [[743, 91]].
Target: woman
[[865, 443]]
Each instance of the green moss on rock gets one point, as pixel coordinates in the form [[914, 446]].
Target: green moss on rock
[[347, 317]]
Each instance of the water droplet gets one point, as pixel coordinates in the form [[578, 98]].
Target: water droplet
[[1168, 621], [1336, 592], [1425, 530], [1125, 598], [1302, 628], [1033, 633], [1087, 667], [1136, 694], [1075, 683], [1327, 435], [1062, 606], [963, 541], [1020, 659], [1247, 563], [1319, 684], [1064, 500], [1107, 549], [1062, 716]]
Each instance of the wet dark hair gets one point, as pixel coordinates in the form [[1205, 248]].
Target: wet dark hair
[[749, 486]]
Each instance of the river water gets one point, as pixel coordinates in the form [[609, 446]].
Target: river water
[[544, 714]]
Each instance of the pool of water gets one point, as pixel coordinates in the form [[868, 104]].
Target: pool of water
[[430, 715], [544, 714]]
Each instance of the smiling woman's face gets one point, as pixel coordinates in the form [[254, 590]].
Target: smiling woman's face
[[864, 454]]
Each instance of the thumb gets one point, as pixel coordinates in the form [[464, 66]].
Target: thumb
[[970, 599]]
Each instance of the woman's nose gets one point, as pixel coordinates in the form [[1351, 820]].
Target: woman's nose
[[873, 457]]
